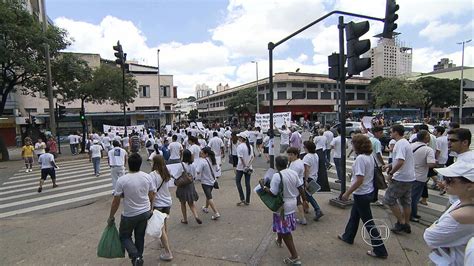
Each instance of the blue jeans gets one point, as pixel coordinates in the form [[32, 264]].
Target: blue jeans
[[337, 162], [361, 211], [96, 164], [238, 179], [313, 202], [137, 226], [416, 191], [73, 148]]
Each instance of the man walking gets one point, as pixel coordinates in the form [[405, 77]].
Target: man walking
[[48, 165], [401, 174], [217, 146], [137, 192], [284, 138], [117, 158], [95, 153], [327, 152]]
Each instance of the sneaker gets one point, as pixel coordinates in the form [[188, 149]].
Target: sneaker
[[302, 222], [397, 228], [414, 219], [337, 181], [318, 216], [27, 170], [204, 209], [407, 228], [40, 189], [54, 186], [241, 203], [290, 261], [215, 216], [166, 257], [138, 262], [417, 216]]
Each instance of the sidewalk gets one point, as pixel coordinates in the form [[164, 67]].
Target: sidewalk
[[242, 236]]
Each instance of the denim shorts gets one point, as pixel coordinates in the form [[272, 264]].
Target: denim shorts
[[207, 191], [400, 191]]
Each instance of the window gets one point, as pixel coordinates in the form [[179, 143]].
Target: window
[[168, 107], [281, 95], [31, 110], [350, 87], [298, 94], [312, 95], [312, 85], [138, 108], [360, 96], [261, 97], [269, 96], [326, 95], [165, 91], [281, 85], [297, 85], [350, 96], [144, 91]]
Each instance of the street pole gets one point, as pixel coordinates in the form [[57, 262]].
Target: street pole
[[271, 46], [123, 93], [461, 93], [342, 96], [159, 89], [52, 120]]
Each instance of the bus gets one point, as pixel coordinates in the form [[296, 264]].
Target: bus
[[390, 114]]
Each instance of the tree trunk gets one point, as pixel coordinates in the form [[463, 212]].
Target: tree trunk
[[84, 135]]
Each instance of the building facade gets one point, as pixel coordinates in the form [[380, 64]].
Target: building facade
[[202, 90], [183, 107], [444, 63], [389, 59], [307, 96]]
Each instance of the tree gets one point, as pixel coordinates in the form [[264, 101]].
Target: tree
[[394, 92], [22, 46], [191, 99], [193, 114], [440, 92], [243, 102]]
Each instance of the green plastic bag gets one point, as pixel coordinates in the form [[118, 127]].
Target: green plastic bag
[[109, 245], [274, 203]]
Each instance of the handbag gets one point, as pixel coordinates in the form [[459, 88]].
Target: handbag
[[216, 184], [274, 203], [379, 178], [184, 179]]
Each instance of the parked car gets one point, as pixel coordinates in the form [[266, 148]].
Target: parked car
[[351, 127]]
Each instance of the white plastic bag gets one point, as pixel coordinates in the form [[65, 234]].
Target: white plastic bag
[[155, 224]]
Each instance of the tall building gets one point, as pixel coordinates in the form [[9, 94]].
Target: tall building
[[389, 59], [444, 63], [202, 90], [221, 87]]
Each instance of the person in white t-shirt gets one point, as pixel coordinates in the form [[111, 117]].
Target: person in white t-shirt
[[126, 143], [137, 192], [311, 170], [327, 149], [72, 143], [106, 142], [336, 146], [95, 153], [40, 147], [176, 151], [117, 159], [401, 174], [245, 157], [297, 165], [194, 147], [217, 146], [442, 151], [259, 143], [48, 165], [284, 138], [159, 177], [362, 187], [205, 169], [449, 235], [285, 222]]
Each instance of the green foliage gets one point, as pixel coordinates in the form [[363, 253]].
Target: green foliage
[[394, 92], [440, 92], [191, 99], [193, 114], [22, 48], [244, 101]]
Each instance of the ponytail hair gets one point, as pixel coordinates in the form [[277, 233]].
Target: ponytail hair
[[248, 145], [208, 151]]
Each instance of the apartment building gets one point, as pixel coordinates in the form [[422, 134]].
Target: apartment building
[[389, 59]]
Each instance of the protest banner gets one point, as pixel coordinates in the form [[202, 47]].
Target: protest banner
[[263, 120], [121, 129]]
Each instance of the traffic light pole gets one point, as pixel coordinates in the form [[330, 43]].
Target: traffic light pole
[[124, 102], [342, 102], [57, 129]]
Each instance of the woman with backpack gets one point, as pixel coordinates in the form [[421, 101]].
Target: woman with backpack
[[205, 169], [187, 193], [160, 177], [244, 167]]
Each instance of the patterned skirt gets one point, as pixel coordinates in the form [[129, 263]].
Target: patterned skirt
[[285, 225]]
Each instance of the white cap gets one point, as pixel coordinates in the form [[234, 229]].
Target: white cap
[[243, 135], [458, 169], [95, 141]]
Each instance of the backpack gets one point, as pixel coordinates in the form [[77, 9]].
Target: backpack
[[148, 143], [166, 152]]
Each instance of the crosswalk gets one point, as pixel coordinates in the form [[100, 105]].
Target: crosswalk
[[76, 184]]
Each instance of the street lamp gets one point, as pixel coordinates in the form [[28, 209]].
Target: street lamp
[[159, 90], [256, 72], [462, 81]]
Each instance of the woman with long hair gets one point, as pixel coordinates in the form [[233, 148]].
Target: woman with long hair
[[362, 186], [259, 142], [205, 170], [160, 177], [187, 193], [234, 143], [244, 167]]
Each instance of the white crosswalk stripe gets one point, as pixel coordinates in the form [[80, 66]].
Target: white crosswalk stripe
[[76, 181]]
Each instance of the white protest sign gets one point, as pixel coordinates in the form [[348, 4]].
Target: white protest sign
[[168, 128], [263, 120], [367, 121], [200, 125], [121, 129]]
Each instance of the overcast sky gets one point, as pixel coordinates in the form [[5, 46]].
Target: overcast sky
[[214, 41]]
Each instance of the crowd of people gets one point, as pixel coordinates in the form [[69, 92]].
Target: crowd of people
[[198, 153]]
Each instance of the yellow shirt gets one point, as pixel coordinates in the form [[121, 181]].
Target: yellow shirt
[[28, 150]]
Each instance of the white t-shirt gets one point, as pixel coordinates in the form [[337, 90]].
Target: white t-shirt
[[285, 136], [469, 256], [152, 143], [40, 148], [243, 154], [447, 236], [203, 171], [442, 146], [106, 141], [95, 150], [291, 182], [376, 148], [118, 138], [329, 136], [72, 139], [117, 156], [467, 157], [259, 135], [46, 160], [312, 160], [195, 150], [125, 142], [320, 142], [202, 143], [422, 157], [216, 144], [252, 136], [175, 148], [298, 166], [271, 148], [336, 143], [392, 142], [154, 153], [403, 151], [233, 148], [162, 196], [364, 166], [135, 188]]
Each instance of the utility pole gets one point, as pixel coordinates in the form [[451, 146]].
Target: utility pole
[[52, 120], [461, 89], [159, 89]]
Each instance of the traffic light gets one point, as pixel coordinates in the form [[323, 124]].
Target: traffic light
[[390, 18], [61, 111], [119, 54], [356, 47], [333, 62], [82, 116]]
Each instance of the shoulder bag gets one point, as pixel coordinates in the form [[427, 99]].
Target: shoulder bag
[[379, 178], [184, 179], [274, 203], [216, 185]]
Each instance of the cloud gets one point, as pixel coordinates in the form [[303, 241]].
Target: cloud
[[426, 57], [436, 31]]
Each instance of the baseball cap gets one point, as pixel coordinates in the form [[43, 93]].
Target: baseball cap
[[95, 141], [458, 169], [243, 135]]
